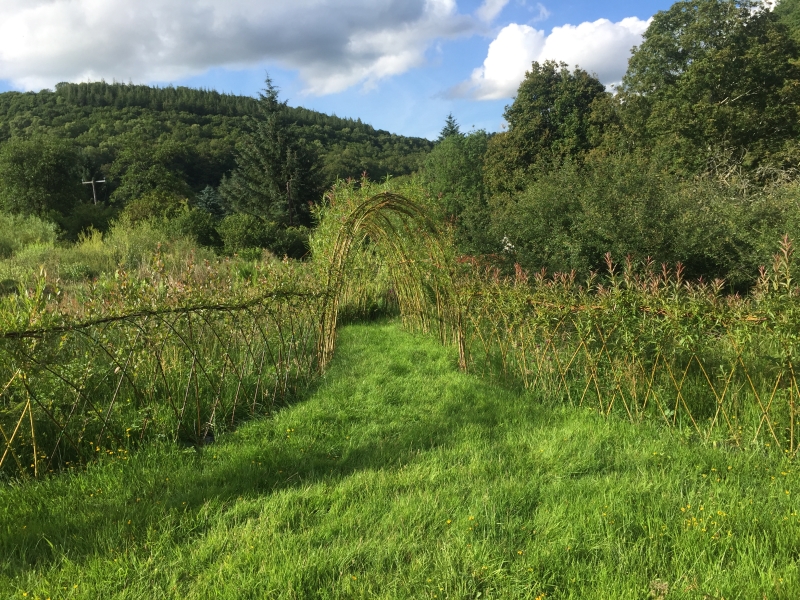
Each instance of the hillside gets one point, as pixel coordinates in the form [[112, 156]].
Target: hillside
[[199, 129]]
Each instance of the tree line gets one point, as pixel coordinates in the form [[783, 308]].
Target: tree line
[[165, 152], [692, 159]]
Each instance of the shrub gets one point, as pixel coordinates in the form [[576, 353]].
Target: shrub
[[18, 232], [158, 204], [198, 225], [241, 231], [84, 217]]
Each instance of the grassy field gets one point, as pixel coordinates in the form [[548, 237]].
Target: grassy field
[[400, 477]]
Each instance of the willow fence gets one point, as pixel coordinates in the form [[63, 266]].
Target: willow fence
[[648, 345], [76, 389]]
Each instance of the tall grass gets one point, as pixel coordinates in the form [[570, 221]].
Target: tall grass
[[179, 348], [34, 248], [149, 353]]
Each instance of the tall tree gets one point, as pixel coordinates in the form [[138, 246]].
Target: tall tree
[[276, 175], [715, 85], [141, 169], [549, 121], [450, 128], [40, 175], [453, 174]]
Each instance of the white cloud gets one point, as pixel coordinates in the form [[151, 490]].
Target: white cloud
[[490, 9], [600, 47], [334, 44]]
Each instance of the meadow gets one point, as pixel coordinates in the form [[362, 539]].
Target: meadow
[[245, 425], [400, 477]]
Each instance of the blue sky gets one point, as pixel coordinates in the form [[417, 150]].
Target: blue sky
[[400, 65]]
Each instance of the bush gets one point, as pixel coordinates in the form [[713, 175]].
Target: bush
[[570, 216], [199, 226], [84, 217], [291, 242], [17, 232], [158, 205], [241, 232]]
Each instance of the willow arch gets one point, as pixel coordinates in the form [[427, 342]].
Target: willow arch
[[422, 271]]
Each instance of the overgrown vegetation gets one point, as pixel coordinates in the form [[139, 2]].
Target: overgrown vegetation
[[614, 276], [692, 160], [401, 478]]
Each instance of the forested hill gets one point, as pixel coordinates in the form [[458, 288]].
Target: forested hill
[[192, 131]]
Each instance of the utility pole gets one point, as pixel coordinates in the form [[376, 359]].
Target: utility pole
[[94, 189]]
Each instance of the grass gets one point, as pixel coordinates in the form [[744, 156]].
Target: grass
[[400, 477]]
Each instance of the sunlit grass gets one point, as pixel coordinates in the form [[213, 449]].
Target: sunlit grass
[[400, 477]]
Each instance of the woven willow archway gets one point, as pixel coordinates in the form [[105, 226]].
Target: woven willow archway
[[421, 272]]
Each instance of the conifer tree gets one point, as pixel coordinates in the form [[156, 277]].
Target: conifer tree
[[450, 128], [276, 176]]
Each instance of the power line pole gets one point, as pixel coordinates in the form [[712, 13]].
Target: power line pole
[[94, 189]]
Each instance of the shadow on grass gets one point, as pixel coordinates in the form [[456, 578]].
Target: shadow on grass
[[415, 402]]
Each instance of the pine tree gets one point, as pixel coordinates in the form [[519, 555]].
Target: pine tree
[[450, 128], [276, 176], [211, 202]]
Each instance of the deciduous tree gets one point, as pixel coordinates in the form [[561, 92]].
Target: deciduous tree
[[40, 175], [548, 121], [715, 85]]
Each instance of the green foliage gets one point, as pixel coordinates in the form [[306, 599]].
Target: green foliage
[[85, 216], [199, 226], [277, 177], [179, 141], [200, 128], [692, 161], [140, 170], [40, 176], [17, 232], [93, 254], [549, 121], [242, 231], [714, 86], [788, 11], [211, 202], [569, 217], [453, 176], [155, 204]]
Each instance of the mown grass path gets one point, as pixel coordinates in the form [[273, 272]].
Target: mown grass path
[[399, 477]]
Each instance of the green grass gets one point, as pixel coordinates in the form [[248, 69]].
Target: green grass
[[399, 477]]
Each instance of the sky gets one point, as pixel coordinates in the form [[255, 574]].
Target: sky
[[399, 65]]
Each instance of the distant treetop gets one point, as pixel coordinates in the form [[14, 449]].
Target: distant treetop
[[450, 128]]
